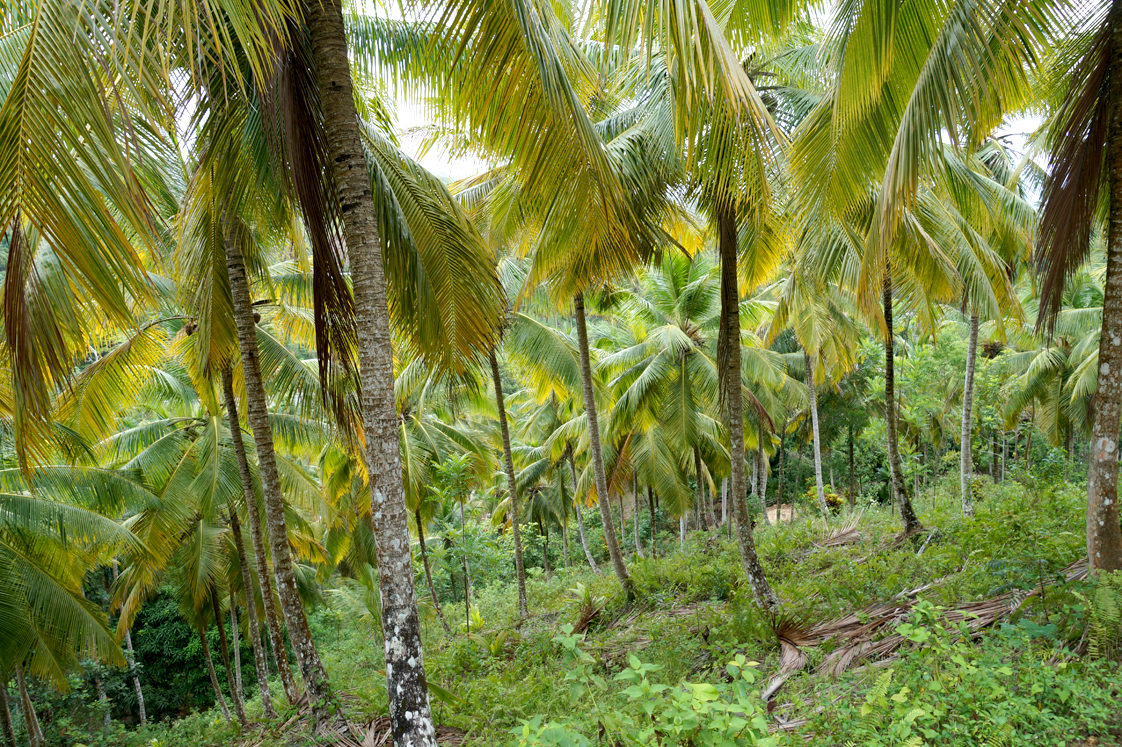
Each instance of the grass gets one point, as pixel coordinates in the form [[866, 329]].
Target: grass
[[693, 614]]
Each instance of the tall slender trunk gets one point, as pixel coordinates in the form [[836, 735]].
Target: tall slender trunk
[[966, 457], [682, 532], [235, 642], [779, 485], [635, 516], [218, 697], [30, 719], [6, 714], [512, 486], [579, 508], [761, 481], [810, 376], [428, 570], [651, 511], [699, 489], [263, 574], [315, 677], [259, 661], [410, 713], [756, 464], [597, 455], [852, 487], [224, 649], [724, 500], [1104, 538], [733, 396], [900, 484], [130, 657], [467, 568], [103, 701]]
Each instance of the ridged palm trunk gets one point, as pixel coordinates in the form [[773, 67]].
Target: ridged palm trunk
[[410, 714], [512, 487], [733, 394], [594, 446], [315, 677], [235, 642], [428, 570], [900, 485], [224, 649], [580, 513], [30, 719], [130, 657], [9, 729], [966, 458], [259, 660], [755, 484], [1104, 538], [221, 700], [810, 376]]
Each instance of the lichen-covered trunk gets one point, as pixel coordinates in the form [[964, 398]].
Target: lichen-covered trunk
[[30, 718], [852, 475], [733, 396], [130, 657], [761, 481], [262, 568], [9, 729], [966, 456], [635, 516], [224, 649], [428, 570], [259, 662], [512, 486], [410, 713], [899, 483], [601, 480], [1104, 539], [810, 376], [315, 676], [218, 697], [580, 511], [755, 482]]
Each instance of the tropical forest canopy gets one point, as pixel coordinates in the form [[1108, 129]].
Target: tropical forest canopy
[[763, 386]]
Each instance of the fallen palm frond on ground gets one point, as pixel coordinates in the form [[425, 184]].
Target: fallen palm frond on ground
[[846, 534], [858, 631]]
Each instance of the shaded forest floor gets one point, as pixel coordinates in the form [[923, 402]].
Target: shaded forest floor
[[1022, 677]]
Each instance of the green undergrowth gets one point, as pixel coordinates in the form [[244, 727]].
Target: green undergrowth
[[685, 661]]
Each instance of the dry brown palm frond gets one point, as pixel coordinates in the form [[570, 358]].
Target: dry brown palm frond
[[846, 534]]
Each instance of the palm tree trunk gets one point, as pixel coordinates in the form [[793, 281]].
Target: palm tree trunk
[[259, 660], [218, 697], [810, 375], [428, 570], [6, 715], [264, 576], [103, 702], [756, 465], [410, 713], [236, 643], [315, 677], [852, 487], [699, 489], [130, 657], [762, 462], [899, 483], [30, 719], [682, 532], [966, 460], [724, 500], [512, 487], [1104, 538], [224, 649], [733, 396], [651, 511], [635, 516], [779, 485], [580, 511], [597, 455]]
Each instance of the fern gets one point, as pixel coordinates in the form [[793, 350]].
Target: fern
[[1104, 626]]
